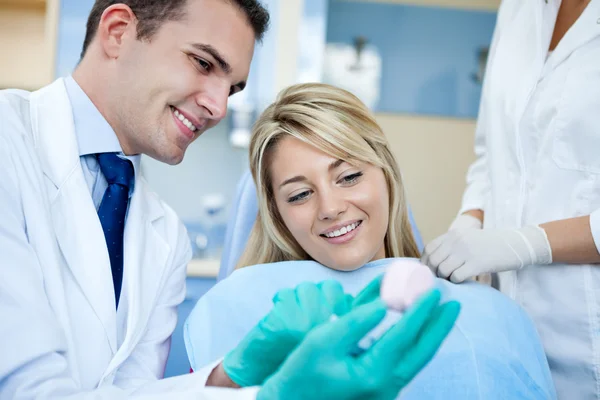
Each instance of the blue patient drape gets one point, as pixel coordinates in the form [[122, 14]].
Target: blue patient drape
[[493, 352]]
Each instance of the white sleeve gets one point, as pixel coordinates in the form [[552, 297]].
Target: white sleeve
[[179, 387], [188, 387], [595, 227], [478, 182]]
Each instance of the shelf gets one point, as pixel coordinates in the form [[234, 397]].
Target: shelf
[[203, 268]]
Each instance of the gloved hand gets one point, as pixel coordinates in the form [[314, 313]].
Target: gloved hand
[[465, 221], [368, 293], [461, 254], [323, 365], [295, 312]]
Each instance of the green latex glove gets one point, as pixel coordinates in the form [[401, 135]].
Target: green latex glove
[[323, 367], [295, 312], [369, 292]]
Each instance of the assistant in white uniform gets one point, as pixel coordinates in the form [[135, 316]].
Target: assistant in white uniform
[[536, 182]]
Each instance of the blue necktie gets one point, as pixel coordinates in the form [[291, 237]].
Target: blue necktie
[[113, 208]]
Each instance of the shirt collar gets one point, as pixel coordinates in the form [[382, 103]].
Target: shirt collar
[[93, 132]]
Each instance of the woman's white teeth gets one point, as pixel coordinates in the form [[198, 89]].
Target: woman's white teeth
[[342, 231], [185, 121]]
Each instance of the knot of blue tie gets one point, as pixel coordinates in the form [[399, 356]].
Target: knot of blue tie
[[115, 169], [119, 174]]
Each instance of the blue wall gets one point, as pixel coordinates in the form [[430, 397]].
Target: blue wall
[[71, 32], [429, 54]]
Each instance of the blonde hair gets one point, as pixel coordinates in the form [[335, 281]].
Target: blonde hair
[[340, 125]]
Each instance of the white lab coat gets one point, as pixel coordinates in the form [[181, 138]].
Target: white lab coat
[[538, 160], [60, 335]]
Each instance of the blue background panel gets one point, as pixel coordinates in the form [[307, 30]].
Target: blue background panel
[[429, 54]]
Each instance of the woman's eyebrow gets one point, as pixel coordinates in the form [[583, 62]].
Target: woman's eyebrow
[[335, 164], [299, 178]]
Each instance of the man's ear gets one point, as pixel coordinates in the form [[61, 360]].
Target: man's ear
[[117, 23]]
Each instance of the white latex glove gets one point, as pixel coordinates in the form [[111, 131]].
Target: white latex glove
[[465, 221], [461, 254]]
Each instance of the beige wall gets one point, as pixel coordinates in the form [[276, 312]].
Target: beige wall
[[286, 55], [27, 43], [433, 154]]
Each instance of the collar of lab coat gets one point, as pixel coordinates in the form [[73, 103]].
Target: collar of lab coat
[[78, 229], [520, 49], [585, 29]]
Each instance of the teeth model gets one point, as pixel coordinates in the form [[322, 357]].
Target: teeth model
[[403, 283]]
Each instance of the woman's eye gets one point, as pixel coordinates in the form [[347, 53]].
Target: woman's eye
[[351, 178], [298, 197]]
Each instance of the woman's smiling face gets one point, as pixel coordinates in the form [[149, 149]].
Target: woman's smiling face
[[337, 212]]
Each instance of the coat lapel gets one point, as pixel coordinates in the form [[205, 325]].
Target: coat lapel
[[585, 29], [146, 255], [79, 232], [76, 224]]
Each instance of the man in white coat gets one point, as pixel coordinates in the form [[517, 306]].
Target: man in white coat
[[93, 262], [80, 311], [535, 185]]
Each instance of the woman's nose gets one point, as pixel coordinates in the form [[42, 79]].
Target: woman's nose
[[331, 207]]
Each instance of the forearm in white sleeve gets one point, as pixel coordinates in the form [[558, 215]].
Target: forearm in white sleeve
[[182, 387], [478, 184], [474, 197], [595, 228]]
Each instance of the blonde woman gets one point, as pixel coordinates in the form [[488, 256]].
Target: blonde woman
[[332, 206], [362, 185]]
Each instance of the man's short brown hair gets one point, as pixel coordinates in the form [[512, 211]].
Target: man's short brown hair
[[151, 14]]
